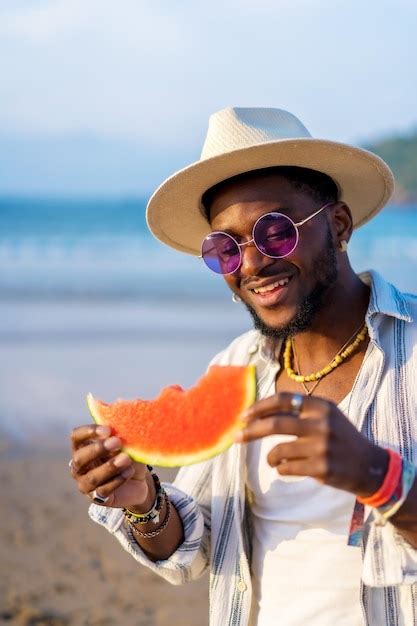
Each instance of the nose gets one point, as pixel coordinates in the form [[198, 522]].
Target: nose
[[253, 261]]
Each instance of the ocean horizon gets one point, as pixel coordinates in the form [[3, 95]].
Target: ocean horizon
[[91, 248]]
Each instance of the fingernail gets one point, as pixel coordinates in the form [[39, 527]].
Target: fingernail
[[127, 473], [103, 431], [121, 459], [239, 437], [112, 444]]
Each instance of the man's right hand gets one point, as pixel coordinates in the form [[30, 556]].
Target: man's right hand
[[97, 464]]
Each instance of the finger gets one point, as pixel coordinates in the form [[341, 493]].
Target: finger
[[302, 448], [81, 434], [315, 468], [107, 490], [282, 403], [101, 475], [277, 425], [93, 452]]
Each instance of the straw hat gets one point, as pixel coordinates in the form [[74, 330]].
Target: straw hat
[[243, 139]]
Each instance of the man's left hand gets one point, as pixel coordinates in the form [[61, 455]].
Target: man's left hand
[[328, 447]]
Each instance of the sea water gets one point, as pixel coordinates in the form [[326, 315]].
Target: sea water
[[90, 301], [103, 249]]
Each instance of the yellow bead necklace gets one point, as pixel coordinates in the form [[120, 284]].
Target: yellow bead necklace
[[345, 351]]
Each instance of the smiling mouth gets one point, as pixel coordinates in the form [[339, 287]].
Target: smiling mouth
[[272, 286], [273, 294]]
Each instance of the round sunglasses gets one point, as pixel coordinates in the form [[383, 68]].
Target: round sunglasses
[[274, 234]]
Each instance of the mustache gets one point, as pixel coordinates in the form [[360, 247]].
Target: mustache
[[268, 272]]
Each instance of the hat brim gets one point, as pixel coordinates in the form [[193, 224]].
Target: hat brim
[[174, 213]]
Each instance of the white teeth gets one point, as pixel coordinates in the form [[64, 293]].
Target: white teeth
[[279, 283]]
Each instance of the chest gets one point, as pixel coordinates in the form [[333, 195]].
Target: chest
[[333, 387]]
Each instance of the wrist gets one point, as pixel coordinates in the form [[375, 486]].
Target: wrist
[[375, 471], [154, 528], [147, 504]]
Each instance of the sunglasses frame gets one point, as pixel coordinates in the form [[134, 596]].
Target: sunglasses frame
[[246, 243]]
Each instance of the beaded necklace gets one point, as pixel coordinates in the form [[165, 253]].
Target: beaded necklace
[[345, 351]]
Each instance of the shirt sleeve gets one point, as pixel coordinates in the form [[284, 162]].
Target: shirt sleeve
[[191, 496], [388, 558]]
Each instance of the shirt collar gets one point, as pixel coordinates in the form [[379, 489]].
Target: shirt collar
[[385, 299]]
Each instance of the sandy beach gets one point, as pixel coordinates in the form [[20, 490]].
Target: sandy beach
[[58, 568]]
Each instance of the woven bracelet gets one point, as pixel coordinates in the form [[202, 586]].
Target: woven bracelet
[[408, 475], [390, 483]]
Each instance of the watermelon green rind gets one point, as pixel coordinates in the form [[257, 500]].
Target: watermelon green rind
[[176, 460], [93, 408]]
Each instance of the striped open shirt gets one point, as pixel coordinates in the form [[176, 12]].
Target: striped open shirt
[[212, 501]]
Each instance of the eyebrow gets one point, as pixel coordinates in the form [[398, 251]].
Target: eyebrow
[[283, 210]]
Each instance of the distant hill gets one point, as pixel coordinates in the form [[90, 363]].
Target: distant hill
[[400, 152]]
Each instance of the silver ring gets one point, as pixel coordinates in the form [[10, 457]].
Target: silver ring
[[71, 464], [296, 403], [96, 497]]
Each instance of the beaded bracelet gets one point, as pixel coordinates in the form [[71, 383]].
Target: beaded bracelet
[[153, 514], [153, 533]]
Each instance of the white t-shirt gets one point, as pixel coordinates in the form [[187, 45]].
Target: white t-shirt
[[303, 571]]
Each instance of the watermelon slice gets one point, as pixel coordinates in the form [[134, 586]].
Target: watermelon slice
[[182, 427]]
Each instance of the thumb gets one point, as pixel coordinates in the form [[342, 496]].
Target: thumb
[[141, 471]]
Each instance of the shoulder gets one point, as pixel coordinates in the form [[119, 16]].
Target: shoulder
[[411, 301], [238, 351], [411, 326], [388, 304], [397, 332], [407, 305]]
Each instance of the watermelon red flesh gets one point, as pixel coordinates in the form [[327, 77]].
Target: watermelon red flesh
[[182, 427]]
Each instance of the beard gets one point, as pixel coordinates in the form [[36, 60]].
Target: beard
[[325, 274]]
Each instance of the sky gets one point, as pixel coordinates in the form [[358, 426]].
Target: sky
[[104, 97]]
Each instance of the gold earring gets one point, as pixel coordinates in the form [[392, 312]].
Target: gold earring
[[343, 245]]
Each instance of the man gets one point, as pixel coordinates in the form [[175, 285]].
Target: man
[[327, 465]]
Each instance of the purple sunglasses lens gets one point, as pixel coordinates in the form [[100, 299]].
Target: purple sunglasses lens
[[220, 253], [275, 235]]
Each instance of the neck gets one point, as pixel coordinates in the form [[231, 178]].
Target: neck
[[342, 313]]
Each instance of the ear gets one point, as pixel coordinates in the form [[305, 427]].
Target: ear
[[341, 222]]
